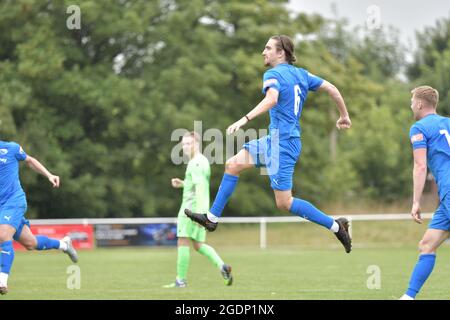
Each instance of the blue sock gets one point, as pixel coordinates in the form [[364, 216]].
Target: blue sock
[[226, 189], [423, 269], [46, 243], [306, 210], [7, 256]]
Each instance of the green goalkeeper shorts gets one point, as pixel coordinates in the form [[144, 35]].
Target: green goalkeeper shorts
[[186, 228]]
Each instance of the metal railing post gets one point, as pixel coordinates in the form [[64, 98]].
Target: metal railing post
[[263, 233]]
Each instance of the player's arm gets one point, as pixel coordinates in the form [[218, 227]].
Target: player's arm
[[344, 121], [265, 105], [39, 168], [269, 101], [177, 183], [419, 178]]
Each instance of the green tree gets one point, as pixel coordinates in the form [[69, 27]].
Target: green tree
[[431, 65], [98, 104]]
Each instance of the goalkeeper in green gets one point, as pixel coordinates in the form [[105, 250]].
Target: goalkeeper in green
[[195, 197]]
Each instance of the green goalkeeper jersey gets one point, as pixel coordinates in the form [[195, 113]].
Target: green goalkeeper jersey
[[196, 185]]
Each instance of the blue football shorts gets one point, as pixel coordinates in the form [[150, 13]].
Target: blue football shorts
[[13, 213], [278, 157], [441, 218]]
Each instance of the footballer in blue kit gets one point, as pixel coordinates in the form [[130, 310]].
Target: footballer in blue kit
[[13, 205], [430, 139], [285, 88]]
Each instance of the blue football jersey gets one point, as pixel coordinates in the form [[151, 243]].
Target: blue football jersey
[[10, 155], [293, 85], [433, 133]]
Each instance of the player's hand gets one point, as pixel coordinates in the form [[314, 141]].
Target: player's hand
[[344, 122], [415, 212], [54, 180], [177, 183], [237, 125]]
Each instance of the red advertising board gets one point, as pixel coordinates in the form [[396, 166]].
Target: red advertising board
[[82, 235]]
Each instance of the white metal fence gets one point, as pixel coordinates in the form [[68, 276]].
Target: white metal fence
[[263, 221]]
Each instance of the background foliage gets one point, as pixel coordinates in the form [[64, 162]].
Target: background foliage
[[98, 105]]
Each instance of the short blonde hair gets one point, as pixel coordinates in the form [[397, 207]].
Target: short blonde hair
[[427, 94]]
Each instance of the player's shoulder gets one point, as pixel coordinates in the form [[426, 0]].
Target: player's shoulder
[[426, 125], [302, 70], [305, 73], [202, 160], [10, 149], [280, 73], [272, 72], [199, 161], [309, 74], [416, 126], [9, 145], [427, 122]]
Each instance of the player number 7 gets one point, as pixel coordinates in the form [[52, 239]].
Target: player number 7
[[447, 135]]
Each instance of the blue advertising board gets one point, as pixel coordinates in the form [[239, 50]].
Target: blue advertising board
[[155, 234]]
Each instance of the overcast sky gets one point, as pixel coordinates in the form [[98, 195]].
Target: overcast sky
[[407, 16]]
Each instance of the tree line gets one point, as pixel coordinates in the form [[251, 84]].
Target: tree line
[[97, 105]]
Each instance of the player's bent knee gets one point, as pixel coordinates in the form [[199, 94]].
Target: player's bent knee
[[425, 247], [4, 236], [30, 245], [284, 205], [231, 166]]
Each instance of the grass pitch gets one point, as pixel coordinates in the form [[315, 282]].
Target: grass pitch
[[302, 261]]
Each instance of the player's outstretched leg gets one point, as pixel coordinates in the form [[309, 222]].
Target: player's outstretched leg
[[215, 259], [183, 260], [177, 284], [210, 220], [339, 226], [234, 166], [6, 254], [6, 258], [226, 274], [46, 243], [430, 242], [40, 243], [343, 235], [421, 272], [69, 249], [201, 219]]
